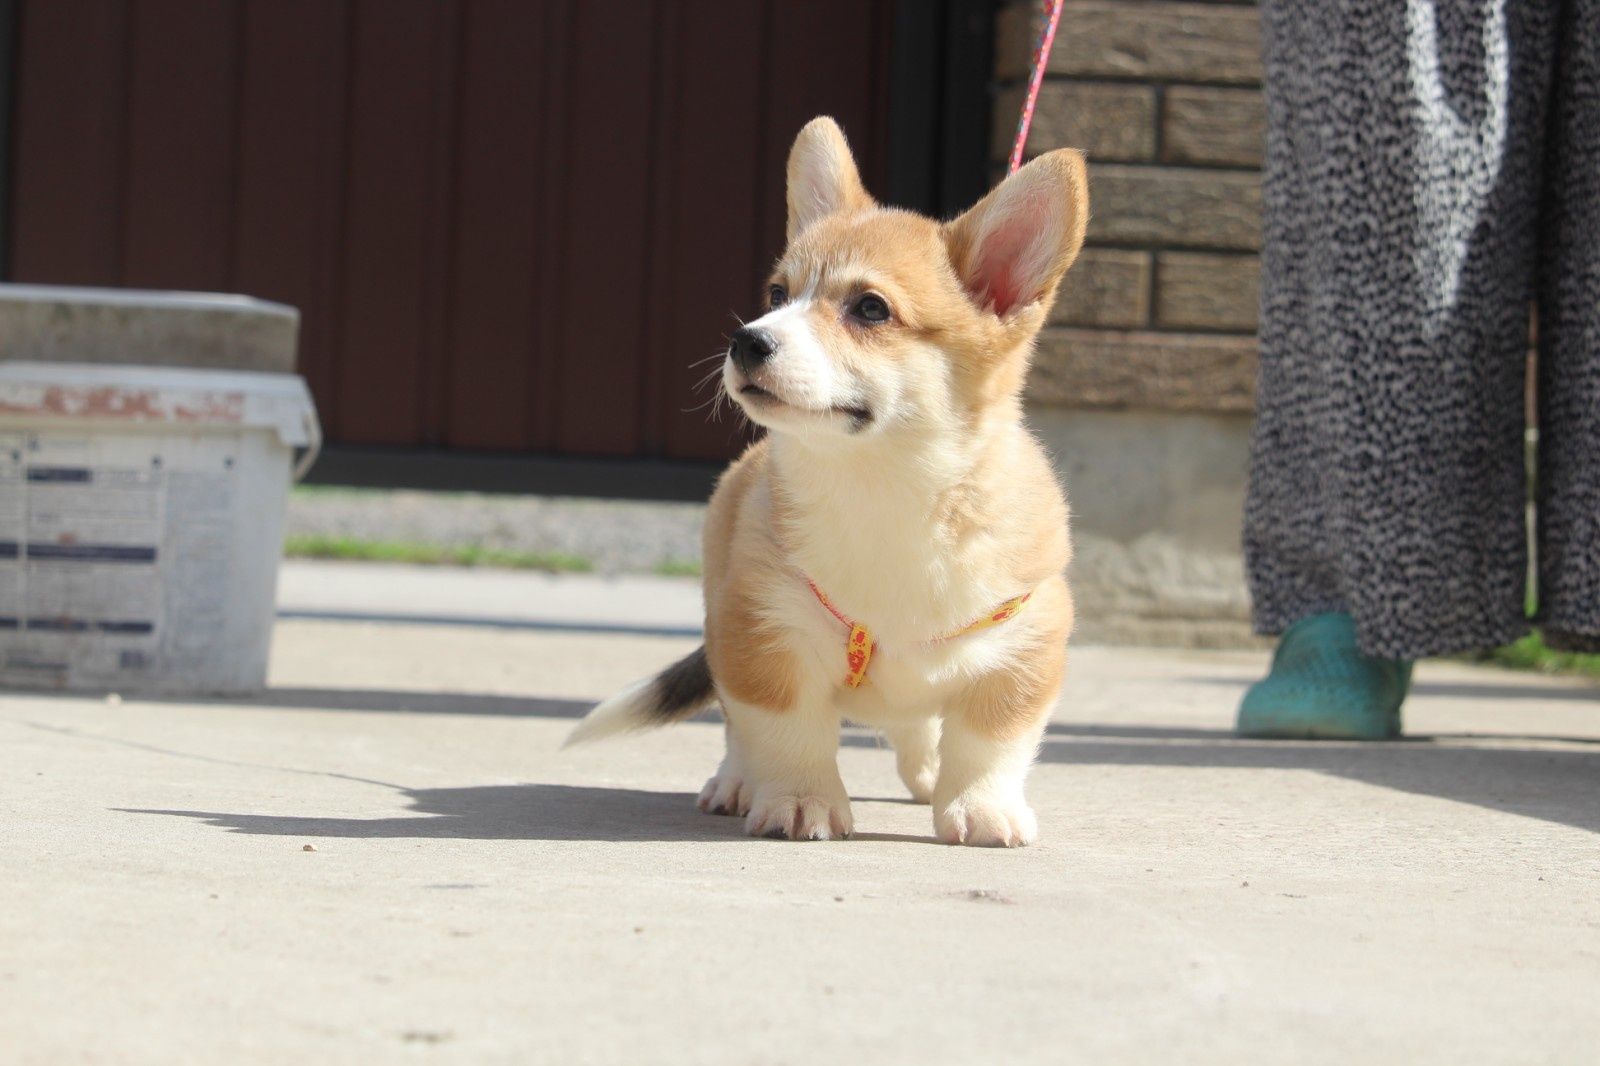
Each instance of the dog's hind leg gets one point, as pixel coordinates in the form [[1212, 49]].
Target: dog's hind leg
[[916, 754]]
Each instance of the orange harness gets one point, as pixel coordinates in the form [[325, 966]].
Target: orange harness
[[859, 645]]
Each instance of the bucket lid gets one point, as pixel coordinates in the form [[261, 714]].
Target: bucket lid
[[217, 331], [174, 396]]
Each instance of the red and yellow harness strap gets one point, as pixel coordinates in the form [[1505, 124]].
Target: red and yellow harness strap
[[859, 645]]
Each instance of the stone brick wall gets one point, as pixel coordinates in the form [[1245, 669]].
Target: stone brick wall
[[1164, 97]]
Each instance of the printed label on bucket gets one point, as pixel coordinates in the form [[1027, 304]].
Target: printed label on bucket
[[115, 555]]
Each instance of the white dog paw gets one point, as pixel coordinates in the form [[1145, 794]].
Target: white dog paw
[[799, 818], [725, 793], [987, 822]]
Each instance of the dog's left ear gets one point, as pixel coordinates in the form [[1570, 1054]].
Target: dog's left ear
[[823, 179], [1013, 247]]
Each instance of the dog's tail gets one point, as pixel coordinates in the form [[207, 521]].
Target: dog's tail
[[676, 693]]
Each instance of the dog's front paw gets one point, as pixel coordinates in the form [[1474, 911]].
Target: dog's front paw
[[725, 793], [799, 817], [986, 822]]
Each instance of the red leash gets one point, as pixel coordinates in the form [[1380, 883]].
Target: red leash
[[1041, 58]]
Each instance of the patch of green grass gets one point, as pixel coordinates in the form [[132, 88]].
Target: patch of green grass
[[324, 491], [358, 492], [1531, 653], [677, 568], [389, 551]]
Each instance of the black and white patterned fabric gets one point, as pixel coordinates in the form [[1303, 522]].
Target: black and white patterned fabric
[[1432, 171]]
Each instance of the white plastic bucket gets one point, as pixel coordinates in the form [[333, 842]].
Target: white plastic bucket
[[141, 523]]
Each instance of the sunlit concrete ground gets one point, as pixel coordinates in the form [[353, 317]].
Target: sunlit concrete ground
[[475, 895]]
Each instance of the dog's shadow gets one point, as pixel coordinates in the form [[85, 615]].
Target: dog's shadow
[[503, 812], [487, 812], [514, 812]]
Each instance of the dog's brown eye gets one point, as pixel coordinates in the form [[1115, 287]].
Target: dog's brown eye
[[777, 296], [871, 308]]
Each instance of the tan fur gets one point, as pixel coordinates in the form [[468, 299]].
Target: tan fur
[[821, 177], [1017, 700], [749, 659]]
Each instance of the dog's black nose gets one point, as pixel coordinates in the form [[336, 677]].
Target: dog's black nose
[[749, 348]]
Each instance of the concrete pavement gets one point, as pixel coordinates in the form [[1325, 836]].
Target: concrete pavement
[[475, 895]]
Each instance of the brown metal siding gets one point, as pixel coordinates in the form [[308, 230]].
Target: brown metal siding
[[66, 211], [291, 171], [511, 225], [496, 335]]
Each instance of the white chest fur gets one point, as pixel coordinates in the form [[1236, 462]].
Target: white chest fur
[[906, 676], [871, 536]]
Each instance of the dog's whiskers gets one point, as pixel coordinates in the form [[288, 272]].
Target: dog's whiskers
[[707, 379]]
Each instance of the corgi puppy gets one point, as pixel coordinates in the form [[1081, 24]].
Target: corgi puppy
[[892, 552]]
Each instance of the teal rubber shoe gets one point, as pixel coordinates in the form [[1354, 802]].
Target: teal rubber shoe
[[1321, 687]]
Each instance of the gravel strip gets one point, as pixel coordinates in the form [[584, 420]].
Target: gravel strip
[[617, 536]]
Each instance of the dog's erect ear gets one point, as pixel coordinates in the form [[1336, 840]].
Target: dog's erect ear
[[1012, 248], [823, 179]]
